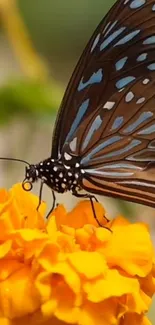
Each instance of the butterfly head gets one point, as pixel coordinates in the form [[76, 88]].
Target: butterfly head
[[31, 176]]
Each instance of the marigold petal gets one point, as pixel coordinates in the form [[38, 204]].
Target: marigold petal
[[43, 285], [8, 267], [68, 315], [112, 285], [60, 215], [70, 276], [66, 309], [49, 255], [82, 214], [26, 204], [5, 321], [27, 235], [136, 303], [104, 313], [90, 264], [48, 308], [91, 238], [14, 305], [51, 227], [148, 284], [136, 256], [135, 319], [5, 248], [63, 273]]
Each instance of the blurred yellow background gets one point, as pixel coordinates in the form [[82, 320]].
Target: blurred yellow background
[[40, 43]]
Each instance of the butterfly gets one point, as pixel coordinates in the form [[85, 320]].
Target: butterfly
[[104, 136]]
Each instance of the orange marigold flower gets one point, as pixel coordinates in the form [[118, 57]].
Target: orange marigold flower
[[69, 270]]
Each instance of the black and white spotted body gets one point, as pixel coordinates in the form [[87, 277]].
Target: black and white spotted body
[[55, 175]]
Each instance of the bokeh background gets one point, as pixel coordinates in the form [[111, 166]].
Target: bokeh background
[[40, 43]]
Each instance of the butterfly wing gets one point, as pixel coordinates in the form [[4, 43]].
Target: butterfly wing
[[117, 152], [116, 43]]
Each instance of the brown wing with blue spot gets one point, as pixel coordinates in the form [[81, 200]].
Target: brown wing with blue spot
[[121, 50], [115, 144], [117, 154]]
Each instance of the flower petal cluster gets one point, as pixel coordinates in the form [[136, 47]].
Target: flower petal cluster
[[68, 270]]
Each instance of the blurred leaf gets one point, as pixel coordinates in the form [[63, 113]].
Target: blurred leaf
[[28, 98]]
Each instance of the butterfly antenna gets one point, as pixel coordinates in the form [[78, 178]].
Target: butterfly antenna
[[14, 159]]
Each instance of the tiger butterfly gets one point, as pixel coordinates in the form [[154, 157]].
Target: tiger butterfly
[[104, 138]]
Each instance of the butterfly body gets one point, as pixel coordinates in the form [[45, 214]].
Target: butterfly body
[[55, 175], [105, 130]]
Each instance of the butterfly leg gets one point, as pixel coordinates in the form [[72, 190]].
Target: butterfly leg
[[91, 198], [40, 194], [40, 198], [53, 205]]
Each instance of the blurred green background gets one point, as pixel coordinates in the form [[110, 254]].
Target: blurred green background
[[40, 43]]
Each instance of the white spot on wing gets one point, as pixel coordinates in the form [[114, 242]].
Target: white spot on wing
[[67, 156], [129, 96], [73, 144], [146, 81], [140, 100], [119, 91], [109, 105]]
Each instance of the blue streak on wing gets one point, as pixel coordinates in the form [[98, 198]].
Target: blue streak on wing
[[109, 39], [95, 42], [151, 66], [131, 145], [110, 27], [81, 112], [122, 165], [101, 146], [127, 38], [149, 40], [106, 27], [117, 123], [137, 4], [143, 117], [142, 57], [142, 155], [109, 174], [95, 78], [138, 183], [94, 127], [148, 130], [124, 81], [120, 64], [151, 145]]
